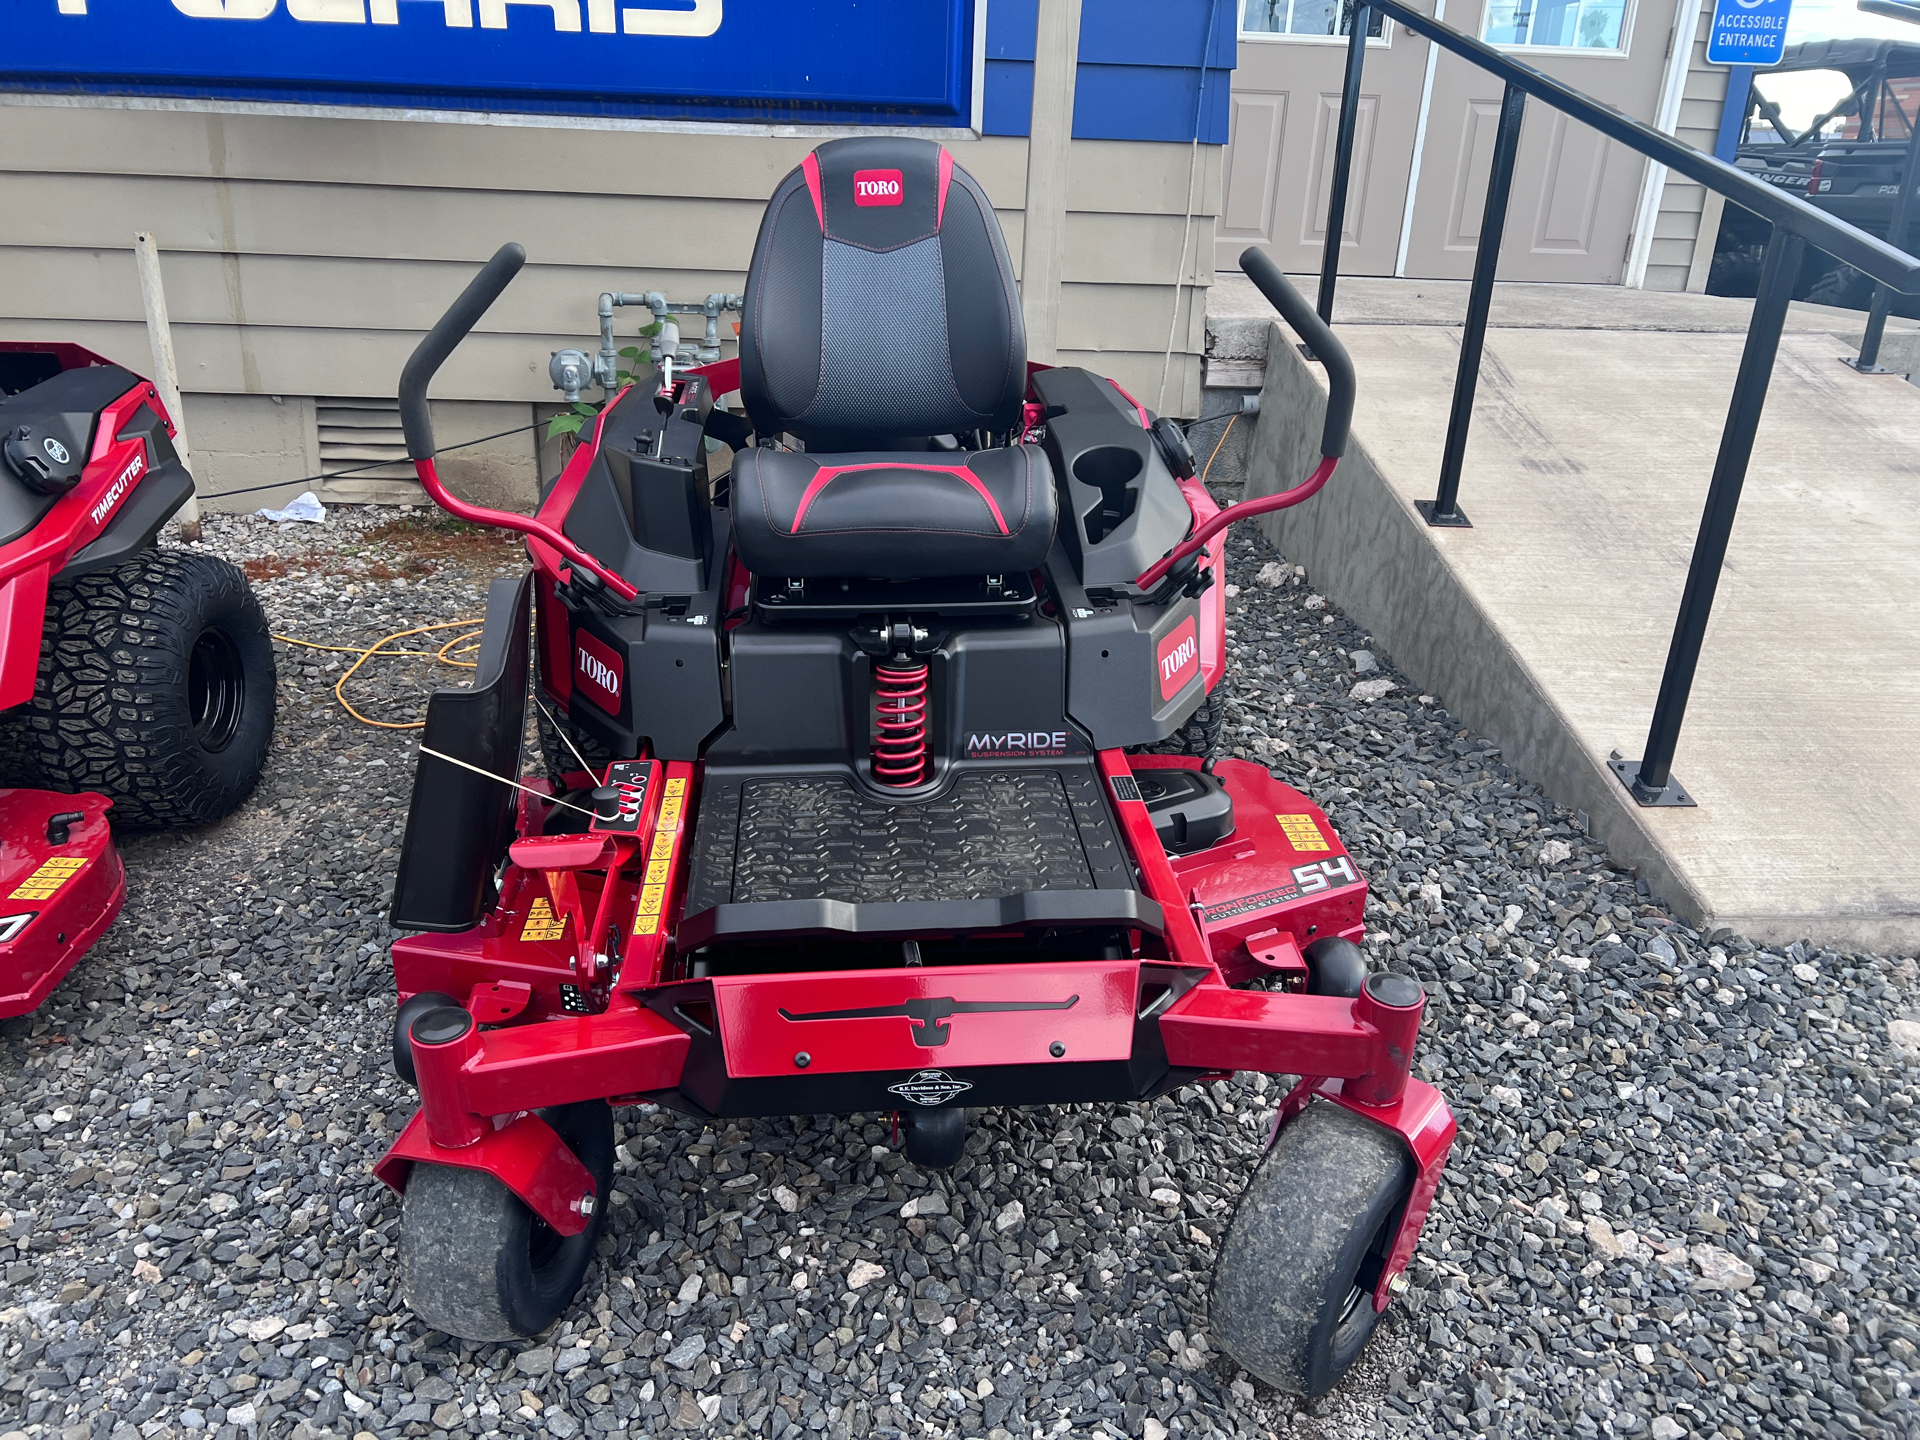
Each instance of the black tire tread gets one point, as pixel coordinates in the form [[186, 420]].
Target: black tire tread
[[1291, 1236], [106, 713], [1200, 734], [553, 750]]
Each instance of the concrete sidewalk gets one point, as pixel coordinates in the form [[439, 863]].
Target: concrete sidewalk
[[1546, 626]]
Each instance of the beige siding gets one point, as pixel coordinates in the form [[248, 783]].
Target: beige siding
[[304, 255], [1677, 231]]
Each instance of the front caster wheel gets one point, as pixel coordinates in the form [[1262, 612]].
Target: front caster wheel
[[477, 1263], [1293, 1287], [411, 1009], [934, 1139]]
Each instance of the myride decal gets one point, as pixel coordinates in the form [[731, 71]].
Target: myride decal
[[1054, 740], [1178, 657], [598, 670], [831, 61]]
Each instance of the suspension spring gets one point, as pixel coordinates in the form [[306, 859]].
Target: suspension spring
[[900, 720]]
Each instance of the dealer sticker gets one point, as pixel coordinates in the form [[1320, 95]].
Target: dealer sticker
[[1303, 832], [49, 877], [930, 1087]]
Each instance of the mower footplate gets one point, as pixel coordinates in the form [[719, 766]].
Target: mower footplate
[[61, 884]]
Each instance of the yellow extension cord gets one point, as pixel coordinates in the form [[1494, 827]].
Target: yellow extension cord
[[466, 644], [445, 655]]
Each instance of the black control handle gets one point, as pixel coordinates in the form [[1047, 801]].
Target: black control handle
[[1326, 348], [431, 353]]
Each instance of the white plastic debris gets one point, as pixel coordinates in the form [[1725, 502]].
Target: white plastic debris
[[306, 507]]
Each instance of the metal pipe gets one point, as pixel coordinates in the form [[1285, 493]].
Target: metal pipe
[[1445, 509], [1869, 360], [1343, 160], [1777, 274]]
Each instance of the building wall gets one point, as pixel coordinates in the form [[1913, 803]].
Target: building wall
[[1677, 229], [305, 253]]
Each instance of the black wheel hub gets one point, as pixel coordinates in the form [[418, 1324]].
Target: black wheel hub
[[216, 689]]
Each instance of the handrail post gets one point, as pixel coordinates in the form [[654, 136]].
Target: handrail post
[[1444, 509], [1868, 362], [1343, 160], [1650, 779]]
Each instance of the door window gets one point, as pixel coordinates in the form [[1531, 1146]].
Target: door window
[[1556, 24], [1323, 19]]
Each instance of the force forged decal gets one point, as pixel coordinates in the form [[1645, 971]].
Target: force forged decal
[[117, 491], [1179, 658], [598, 670], [876, 187], [930, 1087], [1315, 879]]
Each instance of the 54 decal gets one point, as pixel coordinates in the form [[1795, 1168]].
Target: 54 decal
[[1325, 875]]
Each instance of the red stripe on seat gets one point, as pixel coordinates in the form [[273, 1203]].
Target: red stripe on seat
[[946, 178], [828, 474], [810, 167]]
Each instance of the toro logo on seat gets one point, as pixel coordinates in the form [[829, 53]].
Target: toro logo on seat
[[876, 187], [597, 670], [1179, 658]]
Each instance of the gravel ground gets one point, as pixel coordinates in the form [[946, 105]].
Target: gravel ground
[[1682, 1199]]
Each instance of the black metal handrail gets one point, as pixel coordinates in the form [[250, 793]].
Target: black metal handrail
[[1793, 224]]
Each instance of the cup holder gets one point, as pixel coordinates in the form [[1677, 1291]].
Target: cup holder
[[1110, 469]]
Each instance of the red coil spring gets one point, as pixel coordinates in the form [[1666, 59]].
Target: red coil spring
[[900, 709]]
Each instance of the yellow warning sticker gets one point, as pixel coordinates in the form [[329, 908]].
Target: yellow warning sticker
[[646, 924], [676, 788], [669, 812], [1303, 832], [48, 878], [652, 897], [662, 846], [657, 872], [542, 923]]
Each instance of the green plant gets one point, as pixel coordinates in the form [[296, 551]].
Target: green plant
[[574, 419]]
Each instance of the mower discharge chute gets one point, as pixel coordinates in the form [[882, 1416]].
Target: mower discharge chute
[[131, 676], [851, 803]]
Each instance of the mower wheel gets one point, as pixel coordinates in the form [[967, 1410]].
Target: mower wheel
[[561, 761], [1335, 966], [480, 1265], [411, 1009], [1293, 1287], [156, 688], [934, 1139], [1200, 735]]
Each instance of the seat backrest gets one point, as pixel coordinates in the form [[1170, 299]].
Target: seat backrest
[[881, 305]]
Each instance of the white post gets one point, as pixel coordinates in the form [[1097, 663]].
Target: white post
[[1050, 135], [166, 373]]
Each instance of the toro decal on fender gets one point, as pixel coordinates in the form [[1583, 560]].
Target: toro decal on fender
[[1179, 658], [597, 670]]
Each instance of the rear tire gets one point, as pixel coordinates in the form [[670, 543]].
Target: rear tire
[[934, 1139], [156, 688], [480, 1265], [1293, 1287], [561, 761], [1199, 735]]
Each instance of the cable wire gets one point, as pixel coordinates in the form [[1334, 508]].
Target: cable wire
[[356, 469], [444, 655]]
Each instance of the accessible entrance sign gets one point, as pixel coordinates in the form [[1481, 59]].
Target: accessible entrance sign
[[1748, 32]]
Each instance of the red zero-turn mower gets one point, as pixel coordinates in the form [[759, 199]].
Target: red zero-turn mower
[[130, 676], [848, 810]]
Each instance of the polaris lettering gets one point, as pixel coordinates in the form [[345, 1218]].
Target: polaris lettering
[[876, 187], [104, 506]]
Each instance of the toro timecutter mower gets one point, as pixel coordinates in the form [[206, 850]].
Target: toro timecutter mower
[[851, 805], [130, 676]]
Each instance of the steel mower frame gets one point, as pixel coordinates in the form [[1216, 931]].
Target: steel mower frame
[[739, 905], [163, 713]]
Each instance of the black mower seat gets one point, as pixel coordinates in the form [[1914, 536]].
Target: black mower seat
[[892, 516], [881, 310]]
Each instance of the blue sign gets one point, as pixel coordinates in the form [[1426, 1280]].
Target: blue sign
[[895, 62], [1748, 32]]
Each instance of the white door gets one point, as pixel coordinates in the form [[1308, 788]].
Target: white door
[[1286, 109]]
